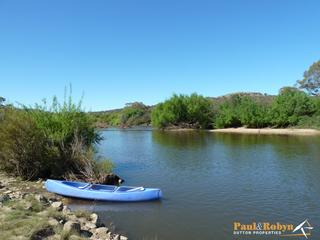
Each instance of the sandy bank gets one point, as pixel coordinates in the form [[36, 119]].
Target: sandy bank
[[269, 131]]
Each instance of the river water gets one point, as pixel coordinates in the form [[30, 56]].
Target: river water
[[211, 180]]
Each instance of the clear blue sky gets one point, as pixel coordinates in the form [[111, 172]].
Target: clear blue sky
[[119, 51]]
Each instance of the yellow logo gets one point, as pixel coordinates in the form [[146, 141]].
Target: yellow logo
[[277, 228]]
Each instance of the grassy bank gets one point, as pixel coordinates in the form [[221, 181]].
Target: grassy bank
[[27, 211]]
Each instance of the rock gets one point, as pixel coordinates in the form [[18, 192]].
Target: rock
[[123, 238], [8, 192], [28, 206], [53, 199], [57, 205], [42, 199], [101, 233], [74, 237], [89, 225], [72, 226], [23, 195], [116, 237], [42, 233], [72, 217], [85, 234], [4, 198], [53, 222], [82, 220], [66, 210], [95, 219], [54, 237]]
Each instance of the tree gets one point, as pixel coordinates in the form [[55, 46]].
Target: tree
[[227, 115], [311, 80], [194, 111], [241, 111], [289, 106]]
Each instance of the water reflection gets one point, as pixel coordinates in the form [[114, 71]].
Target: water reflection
[[180, 139]]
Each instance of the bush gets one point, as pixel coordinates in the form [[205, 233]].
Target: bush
[[309, 122], [182, 110], [241, 111], [24, 147], [227, 115], [289, 106], [47, 141], [134, 114]]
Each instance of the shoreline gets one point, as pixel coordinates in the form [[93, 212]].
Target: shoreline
[[45, 215], [269, 131], [241, 130]]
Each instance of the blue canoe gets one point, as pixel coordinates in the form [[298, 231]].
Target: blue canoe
[[102, 192]]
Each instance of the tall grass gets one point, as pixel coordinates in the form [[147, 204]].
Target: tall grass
[[49, 141]]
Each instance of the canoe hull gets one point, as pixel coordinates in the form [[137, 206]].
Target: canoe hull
[[101, 192]]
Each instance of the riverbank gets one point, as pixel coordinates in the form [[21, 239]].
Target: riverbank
[[28, 211], [269, 131]]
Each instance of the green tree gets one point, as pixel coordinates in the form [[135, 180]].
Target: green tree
[[311, 79], [182, 110], [289, 106], [252, 114], [132, 114], [227, 115], [241, 111], [199, 110]]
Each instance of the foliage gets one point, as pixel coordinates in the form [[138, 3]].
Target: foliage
[[227, 113], [47, 141], [309, 122], [316, 101], [289, 106], [133, 114], [183, 110], [311, 79], [241, 111]]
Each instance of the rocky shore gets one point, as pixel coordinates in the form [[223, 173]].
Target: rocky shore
[[28, 211]]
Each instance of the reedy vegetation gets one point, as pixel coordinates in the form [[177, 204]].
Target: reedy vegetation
[[54, 141]]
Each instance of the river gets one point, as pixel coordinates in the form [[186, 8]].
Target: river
[[211, 180]]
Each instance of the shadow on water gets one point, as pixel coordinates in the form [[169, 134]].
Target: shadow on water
[[104, 206], [180, 139], [281, 144]]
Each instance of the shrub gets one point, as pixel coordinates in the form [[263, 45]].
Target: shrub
[[47, 141], [227, 115], [289, 106], [241, 111], [183, 110], [134, 114]]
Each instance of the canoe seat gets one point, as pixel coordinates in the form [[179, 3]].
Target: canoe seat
[[85, 186], [136, 189]]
